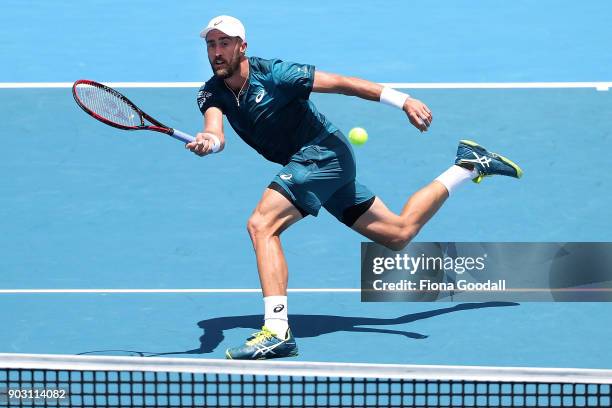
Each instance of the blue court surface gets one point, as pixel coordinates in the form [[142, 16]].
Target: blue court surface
[[86, 206]]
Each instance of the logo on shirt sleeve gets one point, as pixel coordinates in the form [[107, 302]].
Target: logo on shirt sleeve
[[203, 96]]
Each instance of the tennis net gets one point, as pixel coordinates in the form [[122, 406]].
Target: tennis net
[[105, 381]]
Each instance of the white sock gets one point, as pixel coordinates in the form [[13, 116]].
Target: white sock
[[276, 315], [455, 176]]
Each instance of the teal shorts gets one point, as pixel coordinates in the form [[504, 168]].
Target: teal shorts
[[323, 174]]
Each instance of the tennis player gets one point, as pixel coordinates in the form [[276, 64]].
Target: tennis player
[[267, 103]]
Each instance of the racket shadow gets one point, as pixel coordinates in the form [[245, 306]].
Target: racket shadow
[[305, 326]]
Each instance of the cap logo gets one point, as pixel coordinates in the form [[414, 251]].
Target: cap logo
[[218, 22]]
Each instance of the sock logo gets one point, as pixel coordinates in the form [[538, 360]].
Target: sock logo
[[278, 308]]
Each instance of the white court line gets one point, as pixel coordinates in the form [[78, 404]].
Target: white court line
[[600, 86], [43, 291]]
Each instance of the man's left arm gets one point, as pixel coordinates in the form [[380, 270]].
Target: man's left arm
[[418, 113]]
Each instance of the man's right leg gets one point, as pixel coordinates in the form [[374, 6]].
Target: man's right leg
[[274, 213]]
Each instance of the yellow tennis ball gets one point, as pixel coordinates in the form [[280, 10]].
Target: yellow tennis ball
[[358, 136]]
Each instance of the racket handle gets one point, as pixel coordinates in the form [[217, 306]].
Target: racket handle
[[182, 136]]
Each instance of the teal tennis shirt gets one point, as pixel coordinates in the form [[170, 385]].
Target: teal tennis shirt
[[273, 113]]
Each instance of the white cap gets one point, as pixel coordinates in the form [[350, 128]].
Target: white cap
[[226, 24]]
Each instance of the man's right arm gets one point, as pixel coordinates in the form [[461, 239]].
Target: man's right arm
[[211, 135]]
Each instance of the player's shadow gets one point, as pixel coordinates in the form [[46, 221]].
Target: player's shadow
[[304, 326]]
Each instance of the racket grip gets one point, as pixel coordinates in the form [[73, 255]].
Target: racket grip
[[182, 136]]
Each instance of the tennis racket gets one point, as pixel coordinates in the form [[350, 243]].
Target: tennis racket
[[111, 107]]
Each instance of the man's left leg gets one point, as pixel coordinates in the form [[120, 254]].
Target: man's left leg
[[395, 231]]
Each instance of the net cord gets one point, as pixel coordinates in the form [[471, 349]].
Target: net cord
[[307, 369]]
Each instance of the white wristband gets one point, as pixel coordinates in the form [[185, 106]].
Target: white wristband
[[390, 96], [216, 142]]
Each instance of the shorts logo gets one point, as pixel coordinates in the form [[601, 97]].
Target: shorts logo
[[286, 177], [202, 97], [260, 95], [278, 308]]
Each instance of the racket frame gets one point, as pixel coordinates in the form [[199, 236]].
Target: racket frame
[[156, 126]]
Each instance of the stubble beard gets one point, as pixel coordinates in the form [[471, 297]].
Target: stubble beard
[[229, 70]]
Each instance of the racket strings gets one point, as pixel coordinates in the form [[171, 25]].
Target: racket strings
[[108, 105]]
